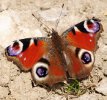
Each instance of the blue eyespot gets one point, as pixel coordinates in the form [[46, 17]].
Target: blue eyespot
[[15, 48], [86, 58], [41, 71], [96, 27]]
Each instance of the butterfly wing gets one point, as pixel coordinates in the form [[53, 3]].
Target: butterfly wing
[[82, 62], [48, 70], [80, 41], [26, 52], [84, 35], [39, 55]]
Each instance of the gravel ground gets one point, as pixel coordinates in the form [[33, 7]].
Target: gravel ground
[[16, 22]]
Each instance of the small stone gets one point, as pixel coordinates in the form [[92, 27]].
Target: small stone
[[52, 14], [7, 26], [103, 49], [4, 71], [4, 4], [3, 92], [87, 96], [102, 87], [20, 85], [105, 68], [105, 40], [105, 72], [105, 13]]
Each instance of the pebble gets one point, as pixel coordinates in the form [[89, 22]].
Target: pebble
[[87, 96], [105, 68], [102, 87], [4, 74], [3, 92]]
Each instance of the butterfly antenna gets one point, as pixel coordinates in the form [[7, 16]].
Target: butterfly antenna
[[57, 22], [44, 25]]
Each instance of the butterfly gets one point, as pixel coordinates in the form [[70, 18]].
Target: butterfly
[[58, 58]]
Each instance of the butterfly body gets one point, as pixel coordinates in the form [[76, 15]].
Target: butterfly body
[[58, 58]]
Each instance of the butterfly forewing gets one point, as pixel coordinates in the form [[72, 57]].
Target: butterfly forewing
[[26, 52], [84, 34]]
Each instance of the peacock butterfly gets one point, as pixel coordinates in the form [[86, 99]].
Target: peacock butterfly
[[58, 58]]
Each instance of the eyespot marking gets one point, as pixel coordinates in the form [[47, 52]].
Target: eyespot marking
[[86, 57], [44, 61], [92, 26], [40, 70], [15, 48]]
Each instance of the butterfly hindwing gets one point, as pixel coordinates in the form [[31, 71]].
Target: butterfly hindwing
[[48, 70], [82, 62], [84, 34]]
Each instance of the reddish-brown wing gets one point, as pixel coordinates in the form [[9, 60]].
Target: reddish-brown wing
[[80, 41], [81, 62], [40, 56], [26, 52], [84, 34]]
